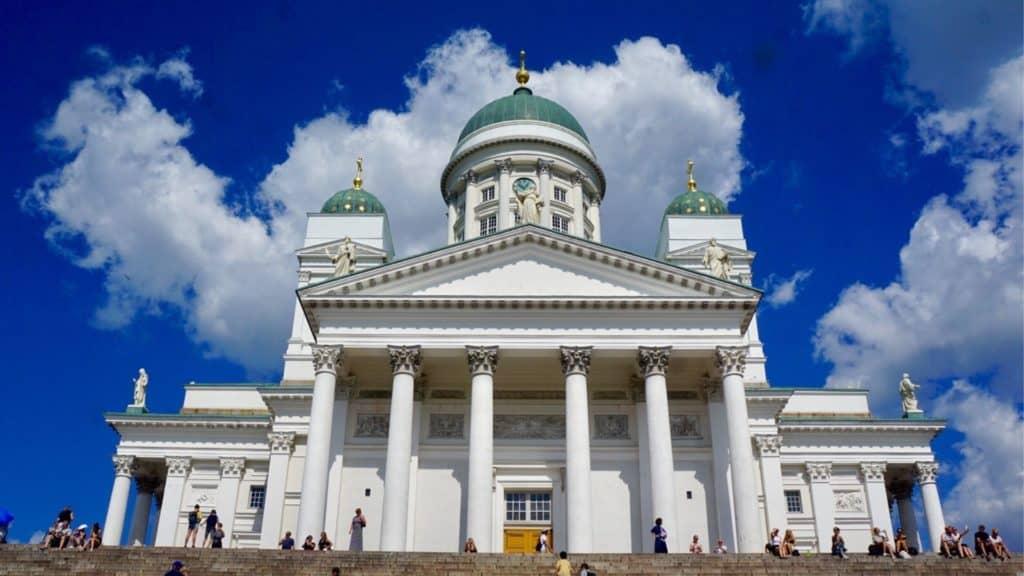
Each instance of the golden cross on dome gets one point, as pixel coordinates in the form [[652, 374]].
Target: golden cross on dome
[[691, 183], [522, 76], [357, 182]]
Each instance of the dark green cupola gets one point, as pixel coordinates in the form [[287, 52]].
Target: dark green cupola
[[353, 200], [695, 202], [523, 105]]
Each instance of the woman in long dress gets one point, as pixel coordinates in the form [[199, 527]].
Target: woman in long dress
[[355, 530]]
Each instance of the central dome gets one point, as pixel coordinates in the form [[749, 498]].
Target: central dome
[[523, 105]]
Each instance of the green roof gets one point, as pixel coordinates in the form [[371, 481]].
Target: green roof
[[352, 201], [522, 105], [696, 203]]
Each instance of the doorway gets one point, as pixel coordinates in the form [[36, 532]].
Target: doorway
[[527, 515]]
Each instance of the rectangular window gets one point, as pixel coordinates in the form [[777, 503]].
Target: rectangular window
[[561, 195], [257, 496], [487, 194], [560, 223], [488, 225], [515, 507], [517, 219], [528, 507], [540, 507], [794, 504]]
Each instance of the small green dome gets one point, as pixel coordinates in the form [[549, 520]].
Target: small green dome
[[522, 105], [696, 203], [352, 201]]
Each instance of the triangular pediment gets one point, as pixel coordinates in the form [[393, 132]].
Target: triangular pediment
[[697, 251], [322, 249], [529, 262]]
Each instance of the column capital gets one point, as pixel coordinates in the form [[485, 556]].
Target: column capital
[[124, 465], [731, 359], [470, 176], [281, 442], [819, 471], [768, 444], [578, 178], [178, 465], [926, 472], [504, 165], [482, 359], [575, 359], [653, 359], [405, 359], [544, 166], [873, 471], [232, 467], [326, 358]]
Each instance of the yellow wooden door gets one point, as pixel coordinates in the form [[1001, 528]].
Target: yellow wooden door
[[521, 540]]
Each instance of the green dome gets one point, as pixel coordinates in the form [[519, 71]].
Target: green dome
[[696, 203], [352, 201], [522, 105]]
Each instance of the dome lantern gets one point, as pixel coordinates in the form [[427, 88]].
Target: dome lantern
[[354, 200]]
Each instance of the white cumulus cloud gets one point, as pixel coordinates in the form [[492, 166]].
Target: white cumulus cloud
[[990, 489], [782, 291], [133, 203], [645, 114]]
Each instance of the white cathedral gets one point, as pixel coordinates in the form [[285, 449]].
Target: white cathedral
[[524, 377]]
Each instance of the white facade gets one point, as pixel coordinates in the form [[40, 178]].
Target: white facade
[[523, 379]]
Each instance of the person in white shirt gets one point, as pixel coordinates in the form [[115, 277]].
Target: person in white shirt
[[720, 547]]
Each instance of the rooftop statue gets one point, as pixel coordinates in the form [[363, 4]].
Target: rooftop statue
[[908, 394], [716, 259], [139, 395]]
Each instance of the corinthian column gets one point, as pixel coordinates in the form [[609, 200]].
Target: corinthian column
[[576, 366], [281, 444], [823, 502], [927, 472], [479, 507], [546, 191], [653, 364], [405, 363], [771, 480], [579, 226], [170, 507], [124, 467], [731, 361], [144, 489], [318, 443], [231, 470], [504, 168], [908, 521], [878, 501]]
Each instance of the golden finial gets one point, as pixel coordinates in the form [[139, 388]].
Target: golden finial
[[522, 76], [357, 182], [691, 183]]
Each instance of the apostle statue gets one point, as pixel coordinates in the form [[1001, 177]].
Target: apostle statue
[[908, 394], [139, 395], [716, 259], [344, 260], [529, 205]]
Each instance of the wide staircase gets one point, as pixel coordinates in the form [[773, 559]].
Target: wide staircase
[[29, 560]]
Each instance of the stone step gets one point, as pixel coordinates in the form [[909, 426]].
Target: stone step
[[113, 561]]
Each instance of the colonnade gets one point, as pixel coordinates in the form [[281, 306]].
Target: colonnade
[[738, 489]]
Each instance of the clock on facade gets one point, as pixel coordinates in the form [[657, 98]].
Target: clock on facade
[[523, 186]]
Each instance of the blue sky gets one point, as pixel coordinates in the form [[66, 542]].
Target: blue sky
[[160, 157]]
